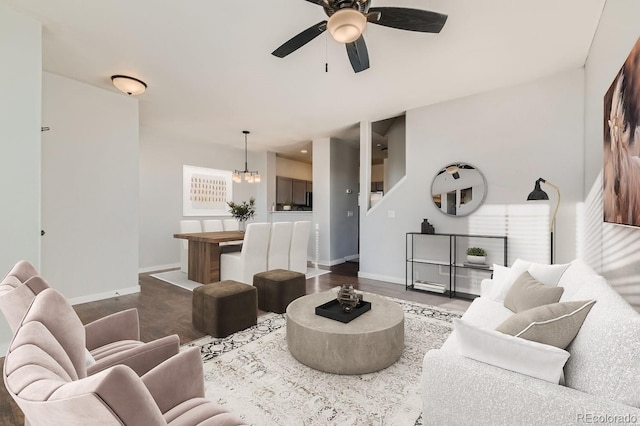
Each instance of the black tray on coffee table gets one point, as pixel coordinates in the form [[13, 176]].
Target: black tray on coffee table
[[333, 310]]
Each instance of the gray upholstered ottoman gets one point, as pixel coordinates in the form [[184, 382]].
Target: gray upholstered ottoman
[[222, 308], [278, 288]]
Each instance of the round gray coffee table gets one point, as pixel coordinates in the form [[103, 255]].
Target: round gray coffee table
[[369, 343]]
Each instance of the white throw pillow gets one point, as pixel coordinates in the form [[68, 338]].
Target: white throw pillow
[[511, 353], [500, 273], [546, 274], [504, 277]]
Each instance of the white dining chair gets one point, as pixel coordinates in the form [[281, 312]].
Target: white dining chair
[[187, 227], [299, 243], [231, 225], [279, 244], [241, 266], [212, 225]]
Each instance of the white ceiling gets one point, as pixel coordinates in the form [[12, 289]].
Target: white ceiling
[[210, 71]]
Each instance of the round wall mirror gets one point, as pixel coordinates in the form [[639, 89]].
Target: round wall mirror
[[458, 189]]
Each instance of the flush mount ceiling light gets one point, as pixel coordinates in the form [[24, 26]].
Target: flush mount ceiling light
[[129, 85], [249, 176], [346, 25]]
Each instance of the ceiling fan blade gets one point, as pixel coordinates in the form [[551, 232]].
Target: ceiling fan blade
[[300, 40], [358, 55], [407, 19], [318, 2]]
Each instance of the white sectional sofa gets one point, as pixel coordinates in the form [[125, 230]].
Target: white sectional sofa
[[601, 375]]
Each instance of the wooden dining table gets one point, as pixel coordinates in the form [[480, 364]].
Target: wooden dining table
[[204, 253]]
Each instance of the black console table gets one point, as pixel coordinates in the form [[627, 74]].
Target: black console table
[[436, 263]]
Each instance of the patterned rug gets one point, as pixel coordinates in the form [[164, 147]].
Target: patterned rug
[[253, 374]]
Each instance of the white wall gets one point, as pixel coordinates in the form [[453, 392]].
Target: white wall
[[513, 135], [377, 173], [89, 189], [322, 198], [614, 251], [293, 169], [20, 121], [161, 161]]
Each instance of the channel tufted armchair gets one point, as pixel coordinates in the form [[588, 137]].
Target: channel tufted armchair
[[112, 340], [45, 373]]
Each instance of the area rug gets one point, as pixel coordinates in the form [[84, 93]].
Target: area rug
[[180, 279], [253, 374]]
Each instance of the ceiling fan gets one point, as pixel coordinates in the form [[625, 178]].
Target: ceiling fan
[[347, 20]]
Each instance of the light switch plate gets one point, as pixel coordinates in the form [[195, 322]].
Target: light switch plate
[[391, 214]]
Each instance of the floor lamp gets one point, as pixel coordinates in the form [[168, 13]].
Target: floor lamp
[[539, 194]]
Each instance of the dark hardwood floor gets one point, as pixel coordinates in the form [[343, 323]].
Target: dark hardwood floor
[[166, 309]]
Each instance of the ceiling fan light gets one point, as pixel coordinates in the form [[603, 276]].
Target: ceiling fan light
[[129, 85], [346, 25], [452, 169]]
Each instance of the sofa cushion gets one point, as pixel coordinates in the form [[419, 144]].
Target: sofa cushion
[[556, 324], [512, 353], [483, 312], [546, 274], [527, 293]]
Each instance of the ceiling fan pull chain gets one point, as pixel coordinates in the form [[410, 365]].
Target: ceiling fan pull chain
[[326, 54]]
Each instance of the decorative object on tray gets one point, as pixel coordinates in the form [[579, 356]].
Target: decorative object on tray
[[243, 211], [426, 227], [348, 298], [286, 205], [476, 255]]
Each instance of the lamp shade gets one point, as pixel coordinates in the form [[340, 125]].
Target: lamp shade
[[129, 85], [346, 25], [537, 193]]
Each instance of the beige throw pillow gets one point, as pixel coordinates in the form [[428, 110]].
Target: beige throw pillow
[[556, 324], [527, 293]]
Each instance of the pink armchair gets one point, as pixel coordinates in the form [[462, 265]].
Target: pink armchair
[[44, 372], [112, 340]]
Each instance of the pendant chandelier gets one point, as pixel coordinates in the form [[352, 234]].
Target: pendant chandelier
[[249, 175]]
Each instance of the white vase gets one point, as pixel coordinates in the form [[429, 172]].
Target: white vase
[[242, 225], [287, 208], [476, 259]]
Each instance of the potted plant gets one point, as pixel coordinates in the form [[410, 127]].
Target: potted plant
[[286, 205], [476, 255], [242, 211]]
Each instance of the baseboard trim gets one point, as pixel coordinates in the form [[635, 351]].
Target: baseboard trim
[[334, 262], [158, 268], [105, 295], [392, 280]]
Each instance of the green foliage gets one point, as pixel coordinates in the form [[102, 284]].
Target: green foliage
[[243, 211], [476, 251]]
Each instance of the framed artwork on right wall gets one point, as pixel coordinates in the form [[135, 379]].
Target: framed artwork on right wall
[[621, 153]]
